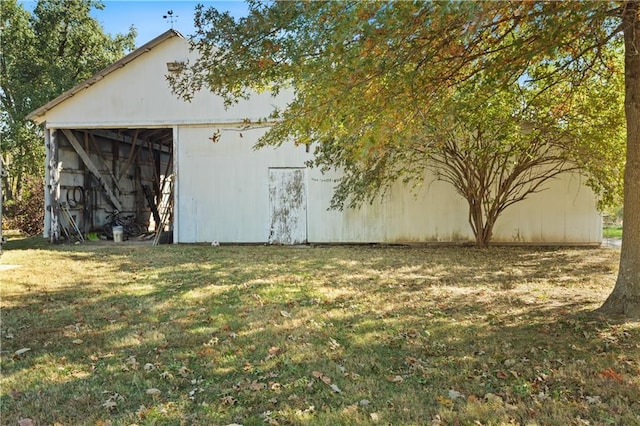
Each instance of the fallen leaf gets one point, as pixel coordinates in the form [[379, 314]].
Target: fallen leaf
[[275, 386], [593, 399], [77, 341], [335, 388], [350, 409], [26, 422], [509, 362], [611, 374], [274, 350], [20, 352], [228, 400], [444, 401], [395, 379], [109, 404], [131, 361], [148, 367], [374, 417], [364, 402], [257, 386], [493, 398], [323, 377], [153, 391], [75, 327], [285, 314], [455, 394]]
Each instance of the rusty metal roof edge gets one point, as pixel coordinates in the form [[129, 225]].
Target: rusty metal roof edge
[[102, 74]]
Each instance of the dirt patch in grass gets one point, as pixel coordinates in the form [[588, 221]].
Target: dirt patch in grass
[[332, 335]]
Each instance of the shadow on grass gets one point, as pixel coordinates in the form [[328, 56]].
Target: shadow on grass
[[256, 335]]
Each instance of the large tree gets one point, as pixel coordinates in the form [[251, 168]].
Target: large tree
[[371, 78], [43, 54]]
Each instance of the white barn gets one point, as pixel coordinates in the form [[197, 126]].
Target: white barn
[[122, 141]]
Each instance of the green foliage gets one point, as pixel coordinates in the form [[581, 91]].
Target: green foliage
[[614, 231], [387, 90], [44, 54]]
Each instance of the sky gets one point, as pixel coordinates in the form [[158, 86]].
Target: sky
[[147, 16]]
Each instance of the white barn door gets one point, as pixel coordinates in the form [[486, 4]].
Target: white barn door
[[288, 205]]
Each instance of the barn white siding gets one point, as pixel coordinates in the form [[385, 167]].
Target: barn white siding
[[224, 196], [223, 187], [138, 95]]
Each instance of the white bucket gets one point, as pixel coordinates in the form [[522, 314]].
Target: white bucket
[[117, 234]]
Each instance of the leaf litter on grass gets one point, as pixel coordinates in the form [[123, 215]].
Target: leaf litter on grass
[[277, 336]]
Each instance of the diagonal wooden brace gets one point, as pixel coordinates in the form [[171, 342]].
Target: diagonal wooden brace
[[92, 168]]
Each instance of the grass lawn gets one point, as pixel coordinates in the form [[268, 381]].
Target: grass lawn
[[252, 335], [613, 231]]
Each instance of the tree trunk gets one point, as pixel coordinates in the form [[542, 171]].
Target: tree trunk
[[625, 297], [481, 226]]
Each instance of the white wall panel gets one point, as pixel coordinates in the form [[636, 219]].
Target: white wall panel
[[223, 186], [563, 213], [425, 214], [224, 196]]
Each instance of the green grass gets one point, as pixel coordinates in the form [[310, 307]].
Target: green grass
[[126, 334], [614, 231]]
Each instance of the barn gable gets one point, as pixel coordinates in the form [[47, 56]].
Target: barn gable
[[134, 92]]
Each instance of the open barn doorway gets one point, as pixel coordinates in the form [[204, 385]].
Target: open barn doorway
[[98, 179]]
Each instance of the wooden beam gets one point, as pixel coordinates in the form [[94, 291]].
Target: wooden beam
[[99, 153], [92, 167], [131, 151], [107, 134], [155, 166], [54, 186]]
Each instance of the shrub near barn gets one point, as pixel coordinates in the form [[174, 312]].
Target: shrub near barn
[[27, 213]]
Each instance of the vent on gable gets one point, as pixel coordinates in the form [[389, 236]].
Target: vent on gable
[[175, 66]]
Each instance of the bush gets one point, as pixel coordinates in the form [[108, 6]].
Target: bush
[[27, 213]]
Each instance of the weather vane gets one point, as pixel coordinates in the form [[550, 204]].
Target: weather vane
[[170, 18]]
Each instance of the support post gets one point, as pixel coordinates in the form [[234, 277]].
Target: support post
[[1, 202], [54, 187], [47, 182]]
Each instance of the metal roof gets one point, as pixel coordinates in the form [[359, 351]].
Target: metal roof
[[34, 115]]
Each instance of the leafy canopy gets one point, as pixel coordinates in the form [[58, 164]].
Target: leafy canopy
[[377, 84], [44, 54]]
